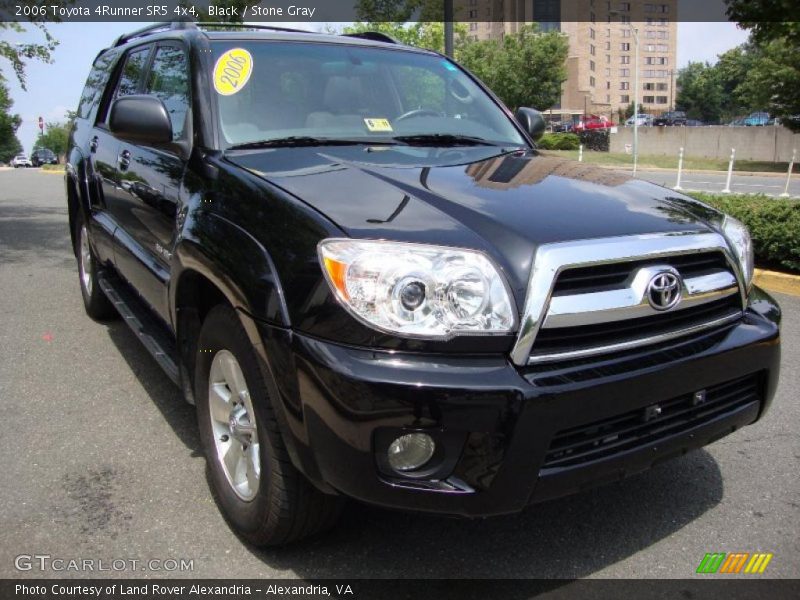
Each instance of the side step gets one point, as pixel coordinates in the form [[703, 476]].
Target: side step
[[136, 314]]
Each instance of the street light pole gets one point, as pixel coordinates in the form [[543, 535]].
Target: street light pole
[[635, 97], [635, 33]]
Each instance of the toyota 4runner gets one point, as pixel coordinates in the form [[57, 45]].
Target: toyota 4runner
[[350, 256]]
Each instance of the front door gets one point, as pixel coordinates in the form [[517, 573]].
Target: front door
[[149, 181]]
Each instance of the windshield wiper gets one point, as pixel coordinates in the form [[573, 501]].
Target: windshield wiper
[[300, 140], [442, 139]]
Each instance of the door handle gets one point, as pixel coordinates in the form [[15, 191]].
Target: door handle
[[124, 160], [93, 144]]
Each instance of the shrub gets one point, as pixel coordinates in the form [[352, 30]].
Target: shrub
[[774, 224], [559, 141], [595, 139]]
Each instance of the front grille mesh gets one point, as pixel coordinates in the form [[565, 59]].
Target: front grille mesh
[[605, 438], [582, 280], [557, 341], [566, 339]]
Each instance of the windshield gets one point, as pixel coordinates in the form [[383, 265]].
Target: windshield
[[276, 90]]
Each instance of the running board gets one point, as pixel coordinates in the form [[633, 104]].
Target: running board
[[136, 314]]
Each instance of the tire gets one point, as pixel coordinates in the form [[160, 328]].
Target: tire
[[268, 502], [97, 305]]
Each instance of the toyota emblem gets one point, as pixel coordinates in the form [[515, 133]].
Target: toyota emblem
[[664, 290]]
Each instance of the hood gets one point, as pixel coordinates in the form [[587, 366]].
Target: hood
[[505, 205]]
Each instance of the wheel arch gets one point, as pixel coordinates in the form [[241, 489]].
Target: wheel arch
[[200, 283], [76, 194]]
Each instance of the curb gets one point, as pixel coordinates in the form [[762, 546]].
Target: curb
[[783, 283], [53, 171]]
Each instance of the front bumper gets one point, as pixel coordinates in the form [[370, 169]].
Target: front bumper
[[498, 422]]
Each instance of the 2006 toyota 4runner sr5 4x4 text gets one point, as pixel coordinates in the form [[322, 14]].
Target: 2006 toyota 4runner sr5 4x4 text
[[350, 256]]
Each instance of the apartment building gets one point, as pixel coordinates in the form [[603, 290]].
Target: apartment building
[[601, 63]]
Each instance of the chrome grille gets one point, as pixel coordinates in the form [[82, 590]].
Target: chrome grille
[[580, 280], [594, 297]]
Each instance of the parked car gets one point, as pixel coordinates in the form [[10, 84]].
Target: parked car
[[642, 120], [757, 119], [593, 122], [43, 156], [671, 118], [695, 123], [20, 160], [389, 296], [563, 127], [738, 122]]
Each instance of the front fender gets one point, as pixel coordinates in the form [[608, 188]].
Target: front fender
[[235, 262]]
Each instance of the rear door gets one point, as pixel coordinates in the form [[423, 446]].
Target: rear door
[[149, 183]]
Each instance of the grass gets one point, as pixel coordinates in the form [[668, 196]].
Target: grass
[[671, 162], [52, 167]]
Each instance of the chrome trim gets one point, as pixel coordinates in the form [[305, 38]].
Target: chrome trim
[[628, 345], [550, 259], [631, 302]]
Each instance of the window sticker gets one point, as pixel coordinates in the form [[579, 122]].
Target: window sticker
[[232, 71], [378, 125]]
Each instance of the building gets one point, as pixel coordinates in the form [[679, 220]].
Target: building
[[601, 47]]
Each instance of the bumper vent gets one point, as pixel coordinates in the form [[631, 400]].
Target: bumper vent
[[602, 439]]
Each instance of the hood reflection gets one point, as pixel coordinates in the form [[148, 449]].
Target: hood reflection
[[512, 171]]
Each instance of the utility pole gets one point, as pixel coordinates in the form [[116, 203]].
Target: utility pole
[[448, 28], [672, 89]]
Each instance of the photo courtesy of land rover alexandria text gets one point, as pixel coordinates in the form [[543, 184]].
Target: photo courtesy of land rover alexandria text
[[352, 259]]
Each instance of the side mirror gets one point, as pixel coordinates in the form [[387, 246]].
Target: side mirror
[[532, 121], [141, 119]]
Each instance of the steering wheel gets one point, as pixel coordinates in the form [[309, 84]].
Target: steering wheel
[[417, 112]]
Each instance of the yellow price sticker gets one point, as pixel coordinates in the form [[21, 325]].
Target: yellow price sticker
[[378, 125], [232, 71]]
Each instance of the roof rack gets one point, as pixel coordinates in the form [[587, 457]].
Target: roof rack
[[150, 29], [375, 36]]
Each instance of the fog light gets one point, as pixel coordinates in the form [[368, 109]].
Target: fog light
[[411, 451]]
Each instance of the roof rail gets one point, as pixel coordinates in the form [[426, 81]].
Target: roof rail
[[375, 36], [150, 29], [250, 26]]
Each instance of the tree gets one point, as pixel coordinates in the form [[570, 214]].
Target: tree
[[427, 34], [524, 69], [18, 53], [773, 79], [766, 19], [400, 11], [731, 70], [700, 92], [9, 123], [55, 138]]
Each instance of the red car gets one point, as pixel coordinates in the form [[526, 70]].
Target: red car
[[593, 122]]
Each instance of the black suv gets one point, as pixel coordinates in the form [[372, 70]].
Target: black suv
[[43, 156], [671, 118], [350, 256]]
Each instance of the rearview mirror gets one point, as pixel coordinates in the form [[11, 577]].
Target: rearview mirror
[[141, 119], [532, 121]]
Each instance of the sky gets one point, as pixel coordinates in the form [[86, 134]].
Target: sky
[[55, 88]]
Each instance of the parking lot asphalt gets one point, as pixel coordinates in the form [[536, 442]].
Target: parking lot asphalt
[[101, 460], [714, 182]]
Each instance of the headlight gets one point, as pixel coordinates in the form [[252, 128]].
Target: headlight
[[739, 239], [417, 290]]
